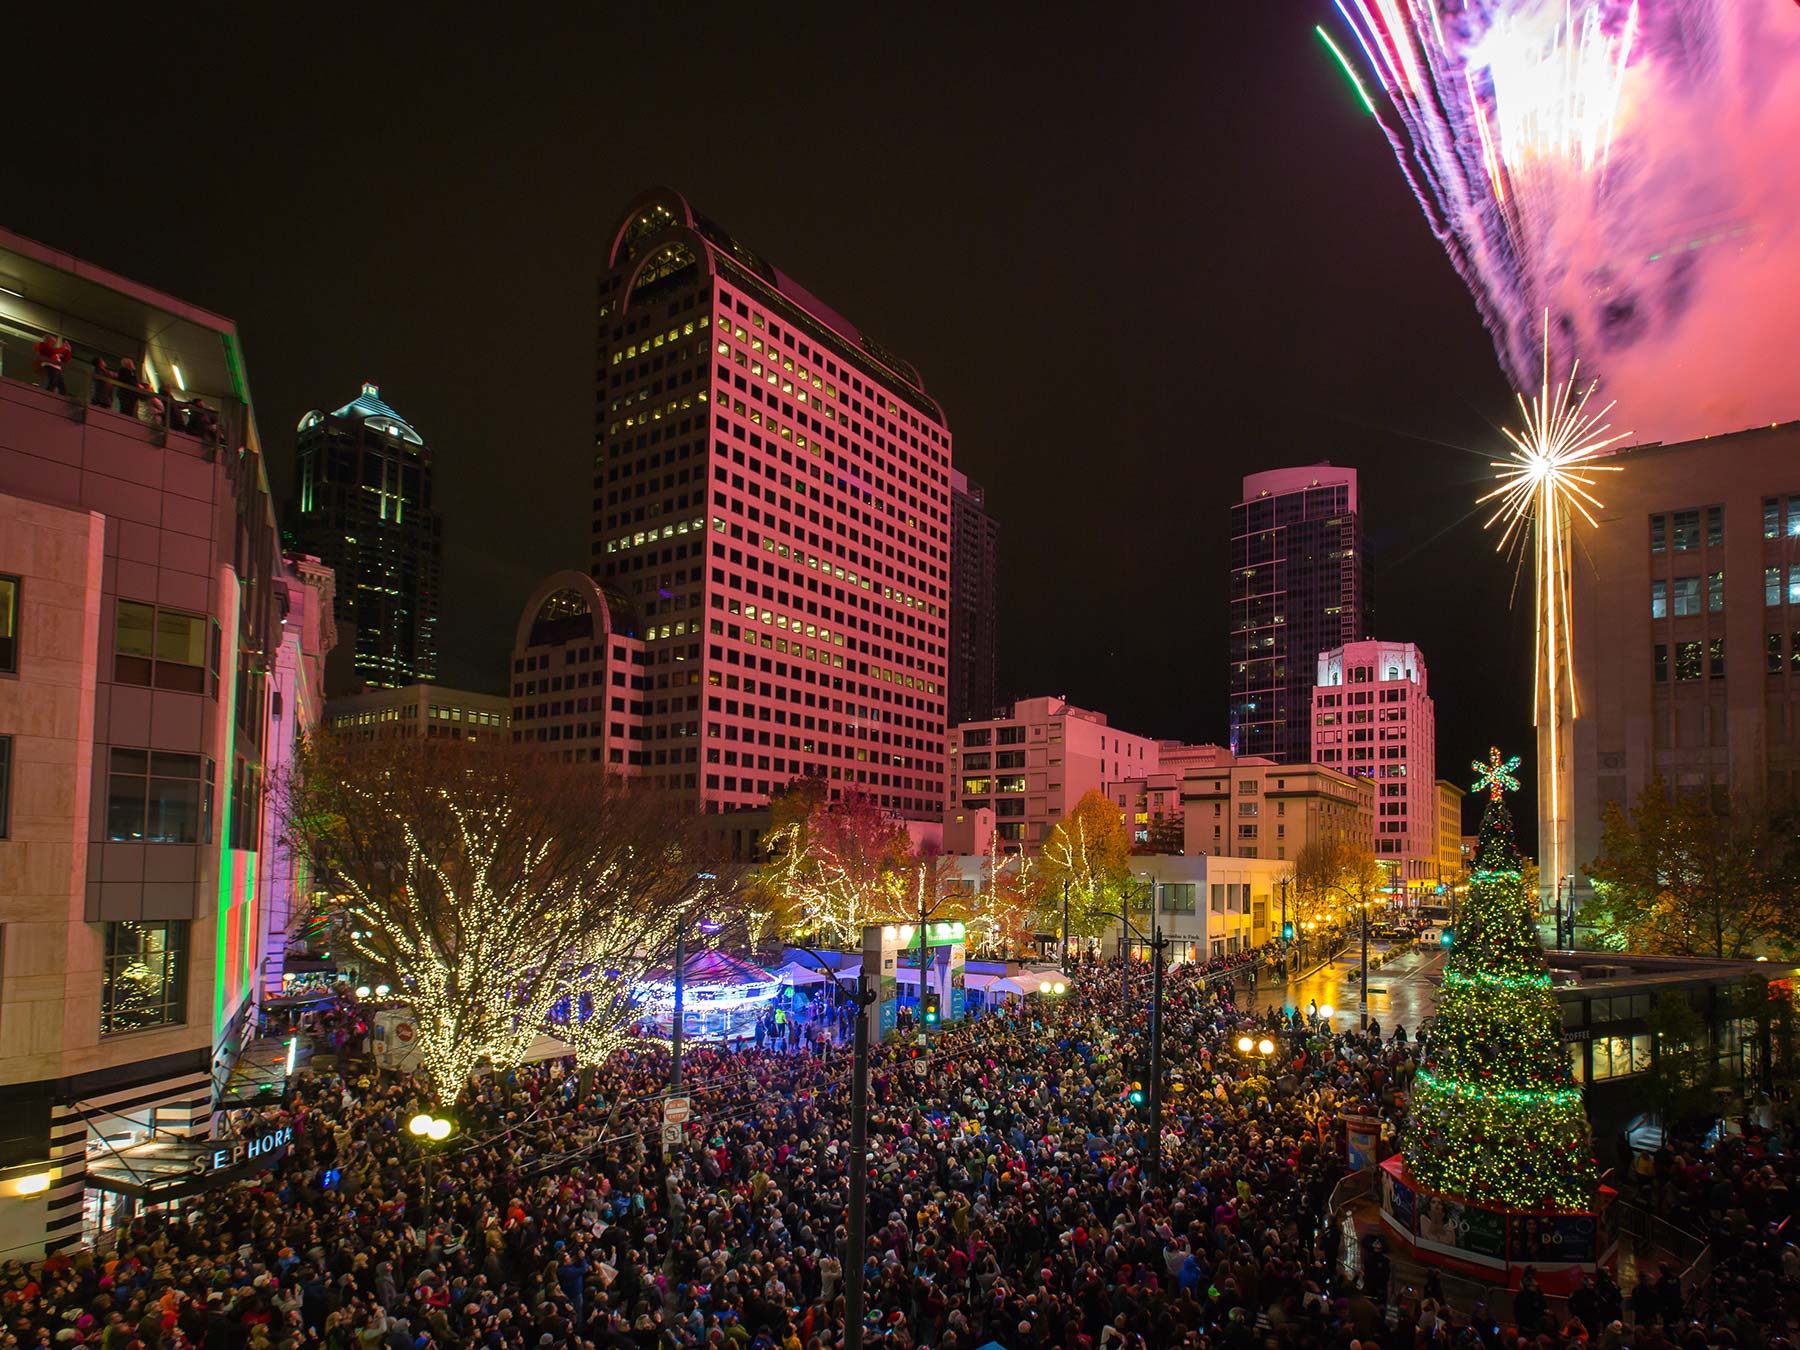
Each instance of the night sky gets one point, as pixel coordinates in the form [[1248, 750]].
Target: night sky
[[1133, 259]]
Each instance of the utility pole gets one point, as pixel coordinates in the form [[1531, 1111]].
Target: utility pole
[[675, 1027], [1363, 979], [1157, 943], [1065, 941], [859, 1168]]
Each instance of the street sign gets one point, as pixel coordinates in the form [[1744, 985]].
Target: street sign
[[671, 1134], [676, 1110]]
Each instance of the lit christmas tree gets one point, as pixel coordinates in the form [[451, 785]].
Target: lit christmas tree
[[1496, 1115]]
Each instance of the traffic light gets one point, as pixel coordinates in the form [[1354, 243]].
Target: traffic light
[[1287, 930], [1136, 1095], [931, 1008], [1448, 938]]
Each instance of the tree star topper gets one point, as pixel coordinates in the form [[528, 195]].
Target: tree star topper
[[1496, 776]]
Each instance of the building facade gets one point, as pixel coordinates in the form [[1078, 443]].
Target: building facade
[[432, 711], [1032, 766], [362, 504], [144, 591], [1299, 585], [974, 602], [578, 675], [772, 492], [1450, 837], [1251, 807], [1373, 718], [1208, 906], [1686, 632]]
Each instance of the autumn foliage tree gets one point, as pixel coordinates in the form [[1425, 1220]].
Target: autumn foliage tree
[[1088, 858], [1332, 874], [1675, 876], [835, 868]]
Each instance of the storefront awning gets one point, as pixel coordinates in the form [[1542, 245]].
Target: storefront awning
[[169, 1167]]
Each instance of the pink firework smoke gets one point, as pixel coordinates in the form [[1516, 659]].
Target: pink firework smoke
[[1629, 167]]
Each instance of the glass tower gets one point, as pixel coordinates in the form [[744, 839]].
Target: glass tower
[[362, 504], [1299, 585]]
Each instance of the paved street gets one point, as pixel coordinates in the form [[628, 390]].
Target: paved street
[[1404, 990]]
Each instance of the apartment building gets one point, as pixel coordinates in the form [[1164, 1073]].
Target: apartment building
[[1033, 765]]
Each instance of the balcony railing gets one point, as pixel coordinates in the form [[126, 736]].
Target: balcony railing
[[213, 421]]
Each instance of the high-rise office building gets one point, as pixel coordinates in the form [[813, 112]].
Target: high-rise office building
[[159, 660], [1686, 619], [362, 504], [772, 492], [1299, 585], [974, 603], [1373, 718], [578, 674]]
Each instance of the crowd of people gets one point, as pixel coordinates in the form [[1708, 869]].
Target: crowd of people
[[1008, 1201], [123, 388]]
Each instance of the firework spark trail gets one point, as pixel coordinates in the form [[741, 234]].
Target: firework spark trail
[[1619, 164], [1544, 484]]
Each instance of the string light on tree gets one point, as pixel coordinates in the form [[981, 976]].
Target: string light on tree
[[1496, 1115], [1545, 483]]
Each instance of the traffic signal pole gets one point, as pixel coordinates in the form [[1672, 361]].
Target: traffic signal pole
[[1157, 944]]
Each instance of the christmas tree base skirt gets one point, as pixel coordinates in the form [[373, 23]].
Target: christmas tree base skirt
[[1494, 1242]]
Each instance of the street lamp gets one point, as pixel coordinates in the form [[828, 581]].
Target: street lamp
[[426, 1127], [1157, 944], [857, 1237], [675, 1026]]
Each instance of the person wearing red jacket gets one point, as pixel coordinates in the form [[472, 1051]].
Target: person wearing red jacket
[[52, 352]]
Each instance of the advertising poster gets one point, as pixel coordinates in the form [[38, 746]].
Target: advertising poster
[[1397, 1198], [959, 997], [1363, 1136], [1546, 1239], [1451, 1226]]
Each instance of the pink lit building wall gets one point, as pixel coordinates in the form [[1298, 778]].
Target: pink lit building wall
[[772, 492], [1372, 718]]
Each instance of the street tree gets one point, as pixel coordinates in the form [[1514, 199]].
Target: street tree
[[484, 887], [836, 869], [1087, 858], [1677, 877], [1331, 873], [1004, 913]]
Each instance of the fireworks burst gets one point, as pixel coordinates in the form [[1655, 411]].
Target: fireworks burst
[[1503, 117], [1546, 482]]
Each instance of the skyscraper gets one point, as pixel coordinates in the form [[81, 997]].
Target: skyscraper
[[974, 561], [362, 505], [772, 494], [1373, 718], [1299, 584]]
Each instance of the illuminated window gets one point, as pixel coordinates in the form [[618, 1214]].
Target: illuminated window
[[1687, 597], [9, 625], [1715, 592], [1771, 585], [143, 978], [1685, 527], [1659, 599], [1687, 661], [158, 798], [160, 648]]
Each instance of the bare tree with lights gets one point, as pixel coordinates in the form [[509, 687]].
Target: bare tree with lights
[[487, 887], [837, 869]]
